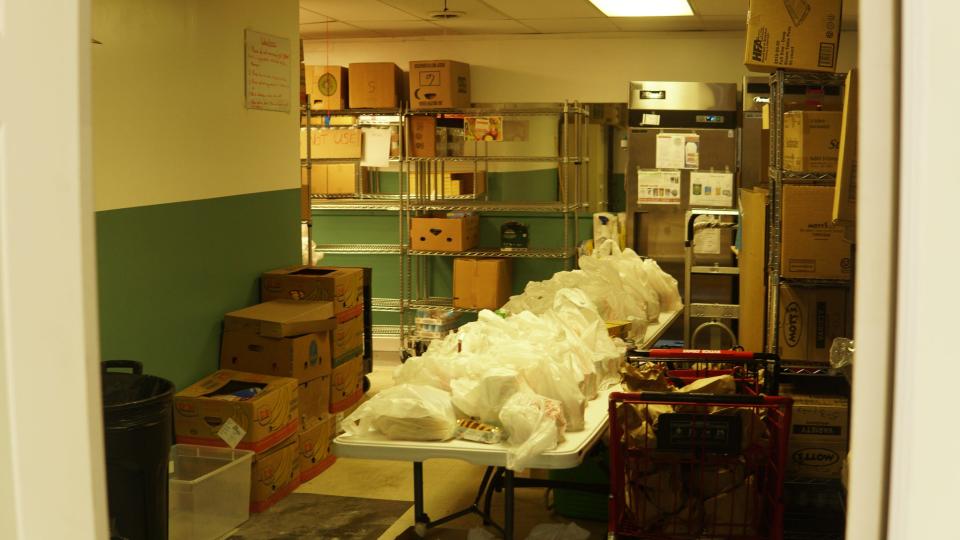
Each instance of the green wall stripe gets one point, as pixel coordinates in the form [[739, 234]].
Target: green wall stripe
[[167, 273]]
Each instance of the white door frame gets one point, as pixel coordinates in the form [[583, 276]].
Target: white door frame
[[52, 482]]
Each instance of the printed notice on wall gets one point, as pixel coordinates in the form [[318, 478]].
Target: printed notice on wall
[[267, 78], [711, 189], [678, 151], [658, 187]]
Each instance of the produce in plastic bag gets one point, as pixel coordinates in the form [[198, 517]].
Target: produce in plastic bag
[[405, 412], [482, 398], [664, 284], [558, 531], [534, 425]]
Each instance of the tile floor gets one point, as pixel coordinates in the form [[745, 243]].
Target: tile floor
[[449, 484]]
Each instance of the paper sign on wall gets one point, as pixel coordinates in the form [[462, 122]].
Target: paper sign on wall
[[658, 187], [267, 78], [376, 147], [678, 151], [711, 189]]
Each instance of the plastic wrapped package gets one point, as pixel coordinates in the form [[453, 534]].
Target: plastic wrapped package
[[664, 284], [534, 425], [405, 412], [551, 381], [482, 398]]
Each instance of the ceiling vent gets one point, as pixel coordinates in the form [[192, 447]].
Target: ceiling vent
[[446, 14]]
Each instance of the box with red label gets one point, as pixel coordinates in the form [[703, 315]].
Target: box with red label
[[346, 384], [276, 473], [315, 441], [302, 357], [314, 398], [264, 408], [342, 286]]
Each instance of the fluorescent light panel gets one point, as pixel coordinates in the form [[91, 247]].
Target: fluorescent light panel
[[643, 8]]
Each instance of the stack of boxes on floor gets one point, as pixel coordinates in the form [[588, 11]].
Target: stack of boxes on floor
[[288, 366]]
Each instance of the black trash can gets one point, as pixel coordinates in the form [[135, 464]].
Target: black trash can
[[138, 433]]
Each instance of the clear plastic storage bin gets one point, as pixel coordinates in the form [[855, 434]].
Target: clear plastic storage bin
[[209, 490]]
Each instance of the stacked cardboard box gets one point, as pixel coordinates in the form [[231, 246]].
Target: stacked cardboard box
[[818, 436]]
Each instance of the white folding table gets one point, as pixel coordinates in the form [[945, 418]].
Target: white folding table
[[566, 455]]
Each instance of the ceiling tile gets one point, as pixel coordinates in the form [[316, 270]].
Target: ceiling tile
[[307, 16], [723, 23], [720, 7], [474, 26], [474, 9], [545, 9], [356, 10], [401, 28], [566, 26], [336, 30], [658, 24]]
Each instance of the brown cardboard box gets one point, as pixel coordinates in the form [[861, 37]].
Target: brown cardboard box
[[802, 35], [811, 141], [281, 318], [314, 398], [342, 286], [347, 340], [375, 85], [305, 213], [336, 179], [346, 385], [845, 194], [811, 245], [810, 318], [481, 283], [444, 234], [819, 436], [332, 143], [303, 357], [315, 442], [453, 184], [753, 268], [276, 473], [439, 84], [327, 87], [423, 135], [268, 417]]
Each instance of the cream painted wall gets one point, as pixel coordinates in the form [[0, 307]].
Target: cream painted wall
[[169, 122], [590, 68]]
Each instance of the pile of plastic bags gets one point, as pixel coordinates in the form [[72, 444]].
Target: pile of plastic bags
[[529, 374]]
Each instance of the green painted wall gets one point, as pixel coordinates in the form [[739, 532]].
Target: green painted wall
[[167, 274]]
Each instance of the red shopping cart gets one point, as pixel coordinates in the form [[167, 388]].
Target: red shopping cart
[[687, 465]]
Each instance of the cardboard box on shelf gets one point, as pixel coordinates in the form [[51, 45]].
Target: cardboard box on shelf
[[303, 357], [449, 184], [347, 340], [340, 285], [346, 385], [423, 135], [810, 319], [331, 142], [439, 84], [375, 85], [305, 213], [481, 283], [819, 436], [811, 141], [281, 318], [812, 246], [275, 474], [315, 442], [314, 397], [445, 233], [337, 179], [753, 268], [264, 407], [801, 35], [327, 87]]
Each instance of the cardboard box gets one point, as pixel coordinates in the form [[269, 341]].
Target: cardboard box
[[281, 318], [423, 136], [619, 329], [305, 212], [375, 85], [331, 143], [336, 179], [342, 286], [346, 385], [315, 442], [449, 184], [811, 245], [327, 87], [439, 84], [314, 398], [811, 141], [819, 436], [347, 340], [481, 283], [845, 194], [276, 473], [303, 357], [753, 268], [810, 319], [445, 234], [802, 35], [267, 417]]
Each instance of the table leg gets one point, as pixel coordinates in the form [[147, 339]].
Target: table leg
[[419, 516], [508, 505]]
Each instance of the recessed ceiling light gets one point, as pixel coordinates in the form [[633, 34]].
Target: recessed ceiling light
[[643, 8]]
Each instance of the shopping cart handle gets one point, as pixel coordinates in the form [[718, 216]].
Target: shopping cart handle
[[704, 355], [695, 397]]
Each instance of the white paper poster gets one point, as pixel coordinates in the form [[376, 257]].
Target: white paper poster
[[678, 151], [706, 241], [658, 187], [267, 77], [711, 189], [376, 147]]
